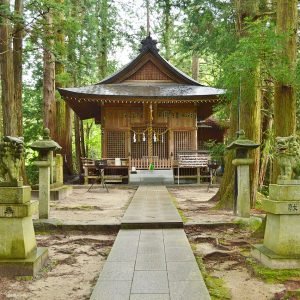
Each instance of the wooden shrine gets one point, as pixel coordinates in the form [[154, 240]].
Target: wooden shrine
[[149, 111]]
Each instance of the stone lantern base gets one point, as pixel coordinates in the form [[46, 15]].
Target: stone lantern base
[[19, 255], [281, 246], [28, 266], [272, 260]]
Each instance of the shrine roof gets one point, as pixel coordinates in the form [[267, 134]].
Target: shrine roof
[[148, 77], [138, 90]]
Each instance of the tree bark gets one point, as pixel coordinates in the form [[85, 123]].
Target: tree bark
[[10, 123], [226, 191], [103, 37], [78, 144], [167, 5], [49, 111], [82, 139], [285, 93], [63, 111], [17, 63]]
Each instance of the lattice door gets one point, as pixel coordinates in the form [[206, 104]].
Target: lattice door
[[182, 141], [139, 149], [115, 144], [161, 146]]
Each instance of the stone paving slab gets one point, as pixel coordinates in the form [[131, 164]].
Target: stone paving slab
[[147, 263], [152, 207], [151, 264]]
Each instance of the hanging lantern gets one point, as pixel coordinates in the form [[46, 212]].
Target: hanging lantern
[[154, 137], [144, 137], [134, 138]]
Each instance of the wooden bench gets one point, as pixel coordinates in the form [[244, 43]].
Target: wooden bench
[[89, 168]]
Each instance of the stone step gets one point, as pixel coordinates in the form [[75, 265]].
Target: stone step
[[152, 177]]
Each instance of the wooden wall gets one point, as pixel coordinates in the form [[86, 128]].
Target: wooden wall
[[180, 119]]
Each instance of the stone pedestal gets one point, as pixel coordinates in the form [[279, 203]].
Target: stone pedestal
[[44, 188], [18, 252], [243, 186], [281, 246]]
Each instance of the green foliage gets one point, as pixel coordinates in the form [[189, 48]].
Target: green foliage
[[260, 48], [32, 121], [216, 150]]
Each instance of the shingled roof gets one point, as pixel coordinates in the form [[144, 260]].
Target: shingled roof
[[172, 85]]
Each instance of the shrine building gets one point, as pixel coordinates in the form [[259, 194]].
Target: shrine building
[[149, 112]]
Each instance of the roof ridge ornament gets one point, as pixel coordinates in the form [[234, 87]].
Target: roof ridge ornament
[[149, 44]]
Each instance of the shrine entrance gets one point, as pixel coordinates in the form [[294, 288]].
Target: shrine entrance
[[150, 145]]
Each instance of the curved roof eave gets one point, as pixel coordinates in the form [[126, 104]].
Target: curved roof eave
[[142, 91]]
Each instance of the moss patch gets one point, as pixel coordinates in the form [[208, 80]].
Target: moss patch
[[272, 275], [216, 286], [24, 278], [81, 207], [252, 224]]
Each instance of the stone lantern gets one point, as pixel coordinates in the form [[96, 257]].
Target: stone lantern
[[45, 148], [242, 145]]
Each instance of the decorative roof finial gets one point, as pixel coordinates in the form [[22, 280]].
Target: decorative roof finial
[[149, 44]]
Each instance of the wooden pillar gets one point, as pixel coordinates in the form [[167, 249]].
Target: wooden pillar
[[150, 134], [104, 141], [194, 139]]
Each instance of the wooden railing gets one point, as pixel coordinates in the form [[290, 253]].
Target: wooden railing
[[143, 163]]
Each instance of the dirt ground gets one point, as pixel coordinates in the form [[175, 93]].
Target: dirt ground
[[76, 260], [94, 206], [193, 202], [225, 250]]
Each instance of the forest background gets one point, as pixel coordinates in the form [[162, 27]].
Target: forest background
[[248, 47]]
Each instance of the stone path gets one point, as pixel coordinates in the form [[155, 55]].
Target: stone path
[[151, 264], [152, 207]]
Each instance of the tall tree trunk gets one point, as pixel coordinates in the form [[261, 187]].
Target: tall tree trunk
[[18, 67], [250, 115], [167, 5], [250, 110], [103, 37], [267, 130], [78, 143], [82, 139], [195, 67], [226, 191], [10, 123], [17, 63], [285, 92], [49, 111], [63, 111]]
